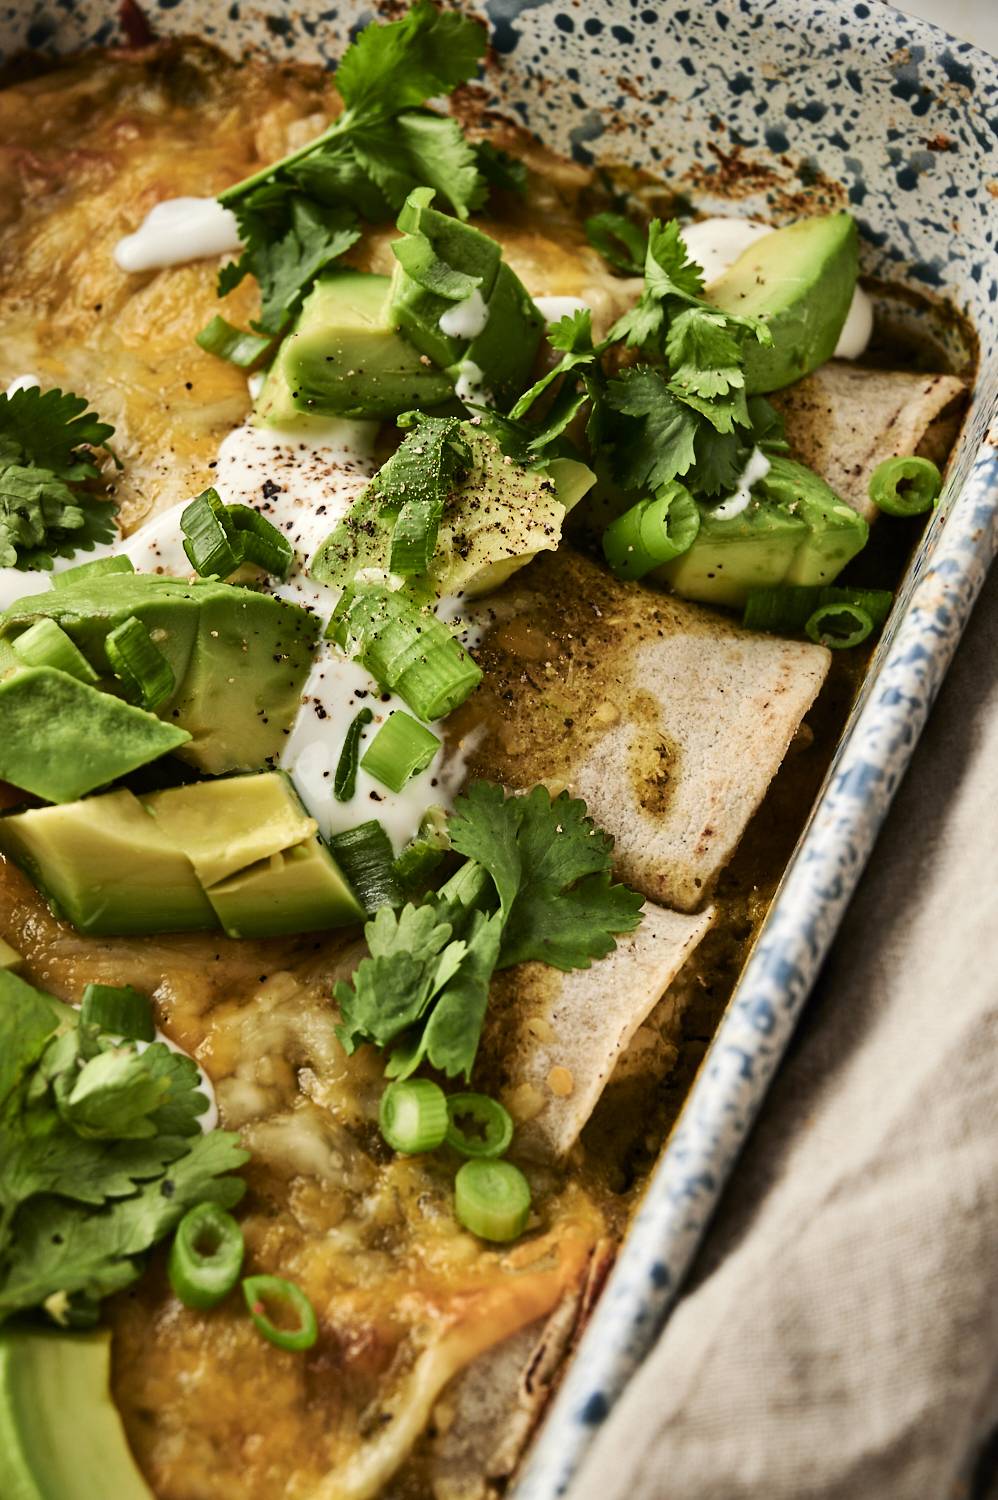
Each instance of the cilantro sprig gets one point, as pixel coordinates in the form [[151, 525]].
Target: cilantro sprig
[[535, 886], [48, 441], [300, 214], [101, 1155]]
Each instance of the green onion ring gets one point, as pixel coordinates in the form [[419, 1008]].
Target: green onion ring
[[260, 1291], [905, 486], [494, 1122], [413, 1116], [839, 626], [206, 1256], [492, 1199]]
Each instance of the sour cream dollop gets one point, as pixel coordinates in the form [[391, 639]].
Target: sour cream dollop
[[176, 231]]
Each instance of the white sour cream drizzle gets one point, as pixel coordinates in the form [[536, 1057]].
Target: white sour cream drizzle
[[22, 383], [715, 244], [757, 466], [469, 386], [553, 309], [466, 319], [176, 231]]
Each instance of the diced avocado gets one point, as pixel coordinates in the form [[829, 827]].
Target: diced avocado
[[506, 348], [61, 1437], [299, 890], [345, 357], [497, 518], [800, 279], [9, 957], [795, 529], [106, 866], [223, 826], [239, 658], [728, 558], [440, 239], [62, 738]]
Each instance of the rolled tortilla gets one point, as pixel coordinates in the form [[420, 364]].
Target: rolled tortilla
[[552, 1039], [845, 419], [667, 718]]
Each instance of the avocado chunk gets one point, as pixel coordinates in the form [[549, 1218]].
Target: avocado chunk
[[106, 866], [301, 889], [223, 826], [498, 516], [800, 280], [346, 358], [61, 1437], [795, 529], [239, 658], [62, 738]]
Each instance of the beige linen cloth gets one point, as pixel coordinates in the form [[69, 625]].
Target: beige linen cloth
[[839, 1337]]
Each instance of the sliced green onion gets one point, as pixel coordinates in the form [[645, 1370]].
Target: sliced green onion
[[619, 241], [345, 777], [234, 344], [406, 648], [9, 957], [367, 859], [46, 644], [413, 1116], [139, 663], [401, 749], [414, 538], [424, 852], [652, 532], [206, 1256], [839, 625], [259, 541], [208, 538], [95, 569], [492, 1199], [787, 609], [491, 1125], [290, 1303], [905, 486], [118, 1010]]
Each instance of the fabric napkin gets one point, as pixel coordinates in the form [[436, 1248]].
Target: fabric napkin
[[839, 1336]]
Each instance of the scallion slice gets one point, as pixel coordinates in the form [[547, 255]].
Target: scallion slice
[[345, 777], [259, 541], [46, 644], [492, 1199], [788, 608], [236, 345], [209, 538], [95, 569], [652, 532], [270, 1297], [905, 486], [406, 648], [425, 850], [137, 661], [401, 749], [118, 1010], [367, 859], [839, 625], [478, 1126], [206, 1256], [413, 1116]]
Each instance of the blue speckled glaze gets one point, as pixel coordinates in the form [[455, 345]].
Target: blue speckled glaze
[[780, 105]]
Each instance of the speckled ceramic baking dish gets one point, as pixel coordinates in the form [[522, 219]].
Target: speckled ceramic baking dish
[[785, 105]]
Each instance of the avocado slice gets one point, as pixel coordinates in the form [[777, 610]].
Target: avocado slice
[[61, 1437], [224, 826], [496, 519], [62, 738], [239, 658], [800, 280], [506, 348], [795, 529], [301, 889], [346, 358], [106, 866]]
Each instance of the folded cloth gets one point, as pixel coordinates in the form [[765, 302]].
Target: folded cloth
[[839, 1338]]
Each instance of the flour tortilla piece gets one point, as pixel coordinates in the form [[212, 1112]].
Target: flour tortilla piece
[[845, 419], [667, 718], [487, 1416], [552, 1040]]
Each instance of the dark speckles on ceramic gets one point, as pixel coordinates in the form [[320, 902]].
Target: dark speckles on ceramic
[[782, 106]]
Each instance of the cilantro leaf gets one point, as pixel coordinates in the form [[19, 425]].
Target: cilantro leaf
[[112, 1096], [46, 438], [619, 241], [412, 957], [286, 267], [669, 273], [419, 149], [393, 67], [27, 1022], [658, 443], [703, 352], [450, 1037]]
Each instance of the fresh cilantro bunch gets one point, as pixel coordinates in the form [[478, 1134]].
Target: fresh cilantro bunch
[[302, 213], [47, 440], [101, 1155], [535, 885]]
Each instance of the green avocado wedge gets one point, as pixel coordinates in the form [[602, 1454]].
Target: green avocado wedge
[[61, 1437], [800, 280]]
